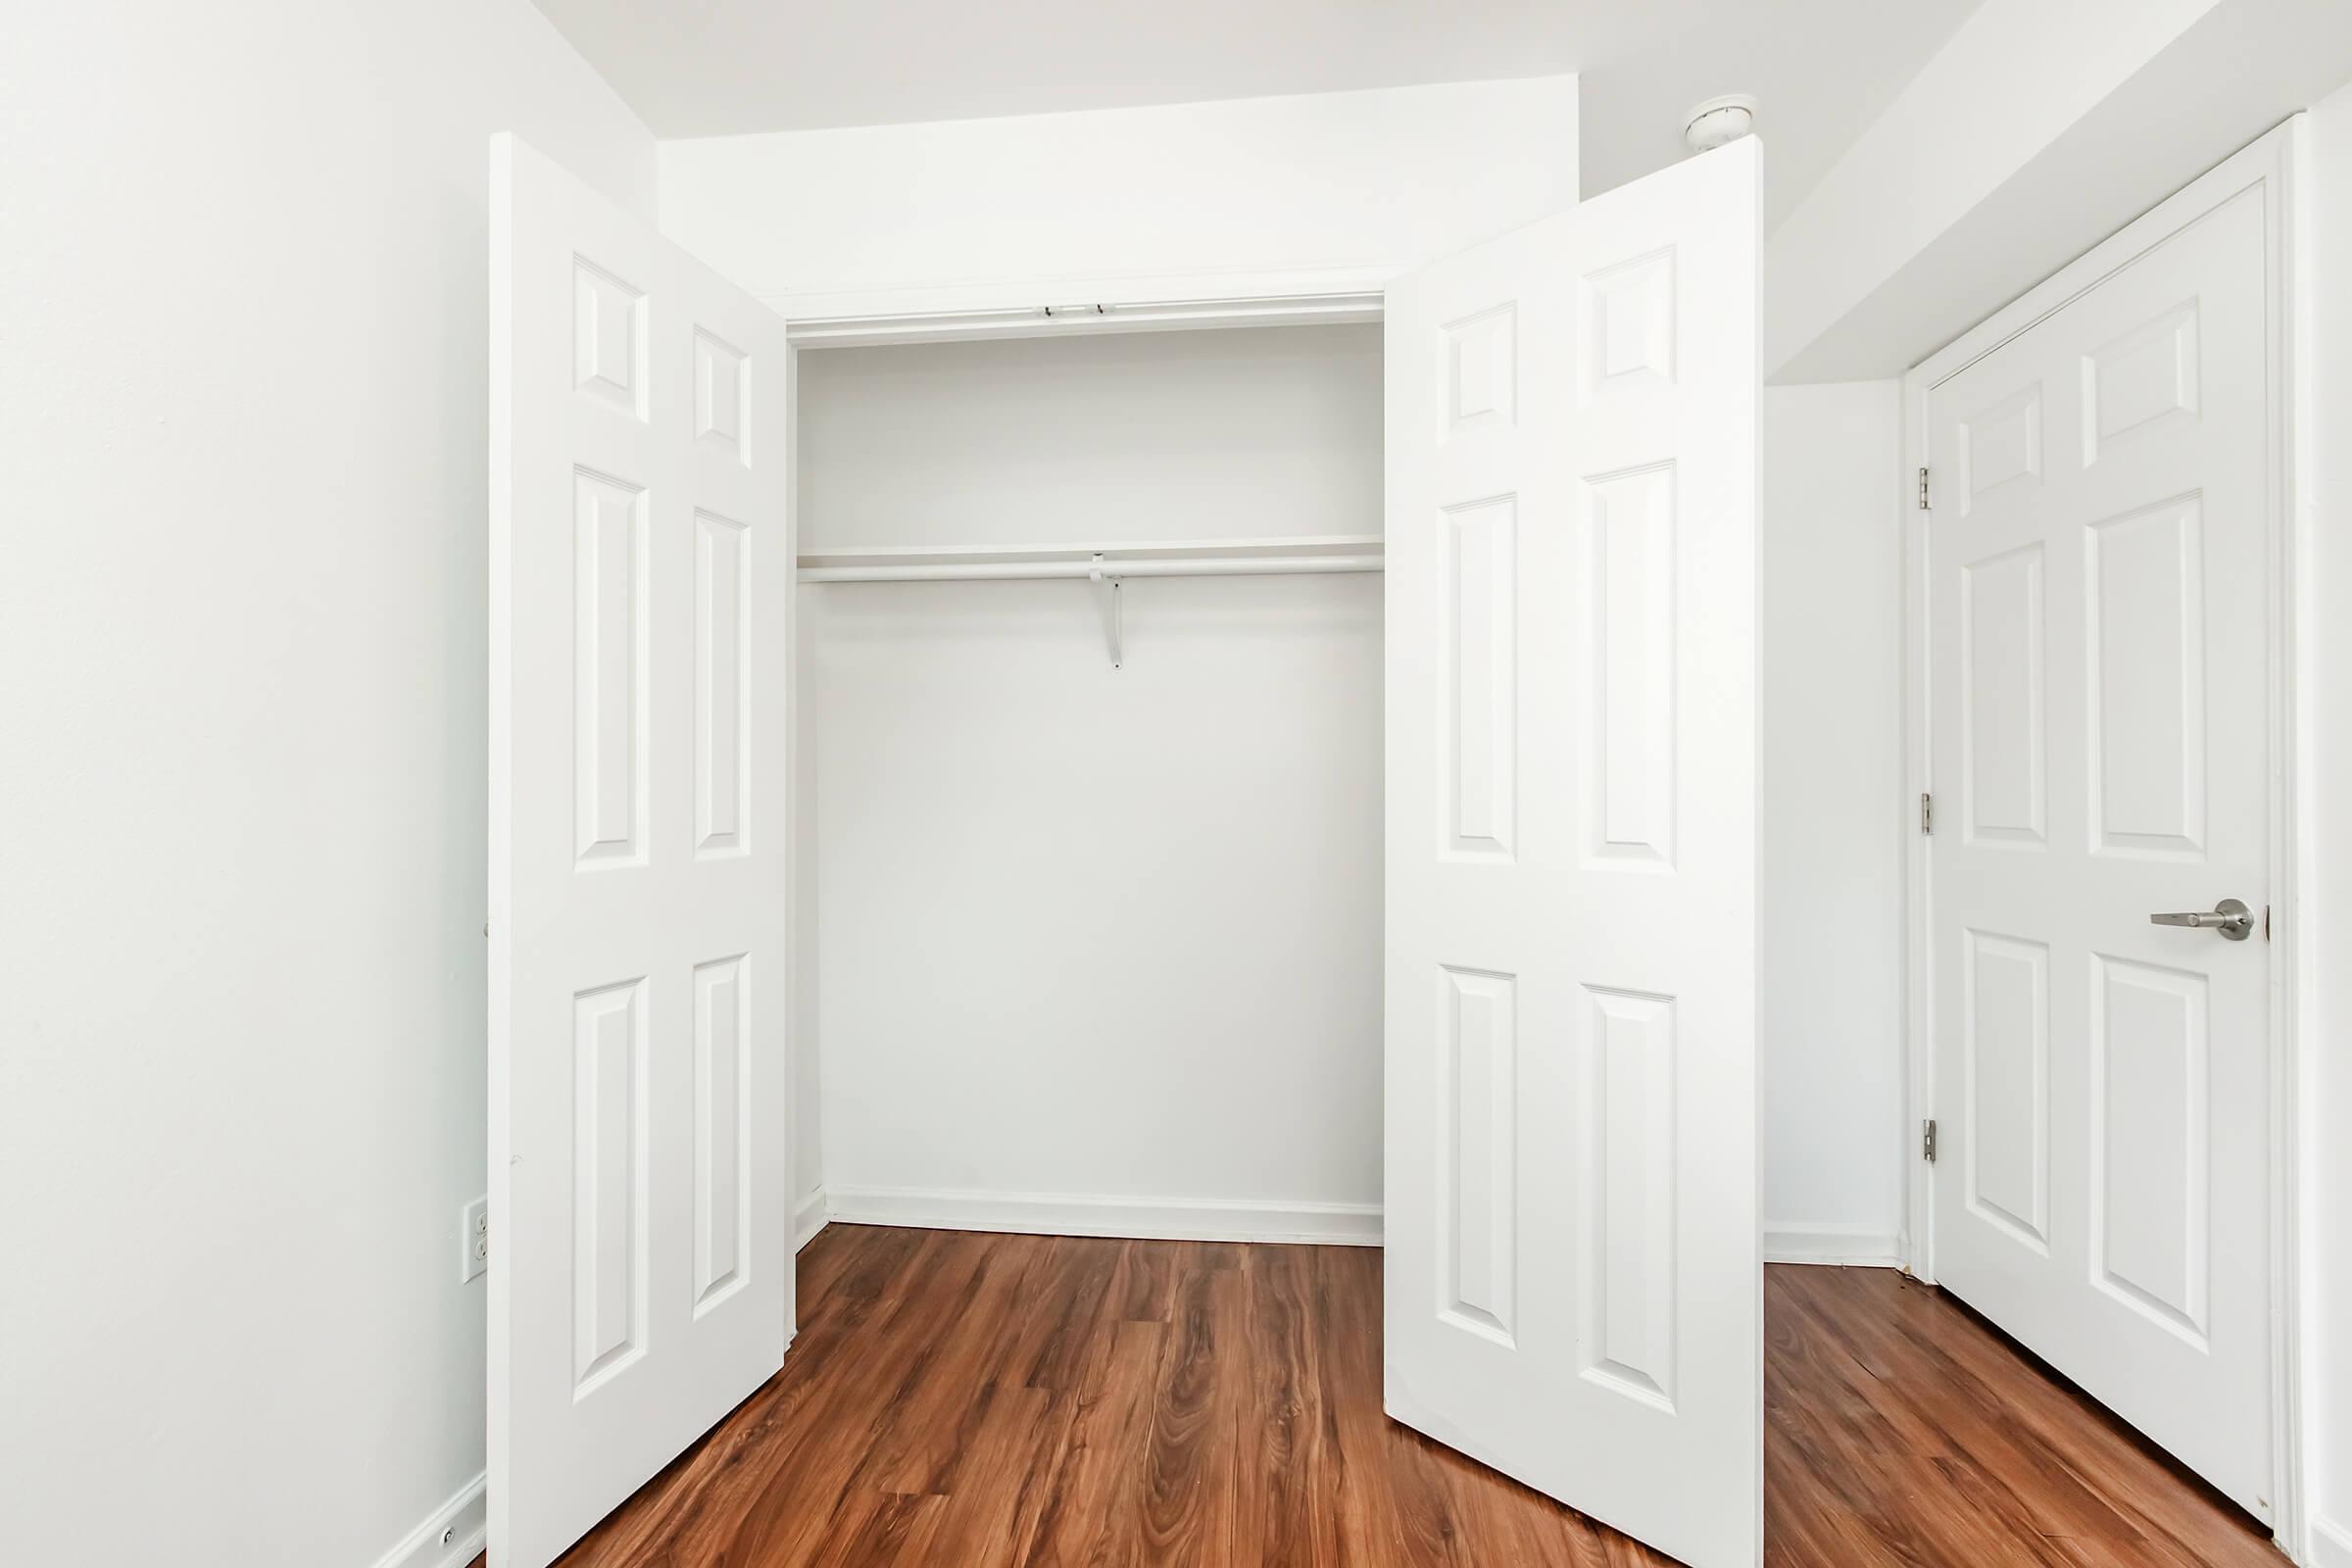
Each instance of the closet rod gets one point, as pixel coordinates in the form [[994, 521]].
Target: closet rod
[[1002, 570]]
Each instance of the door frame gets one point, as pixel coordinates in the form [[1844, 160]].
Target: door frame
[[2270, 163]]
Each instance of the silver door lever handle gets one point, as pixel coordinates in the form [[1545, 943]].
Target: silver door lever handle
[[2231, 917]]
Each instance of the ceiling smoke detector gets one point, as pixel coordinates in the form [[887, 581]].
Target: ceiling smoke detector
[[1719, 120]]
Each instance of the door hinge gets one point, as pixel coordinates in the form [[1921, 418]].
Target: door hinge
[[1927, 1139], [1923, 489], [1927, 812]]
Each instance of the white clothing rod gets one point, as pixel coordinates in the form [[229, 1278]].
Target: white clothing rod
[[1002, 570]]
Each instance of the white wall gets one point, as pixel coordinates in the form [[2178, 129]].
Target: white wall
[[1105, 199], [1084, 933], [1831, 946], [2325, 945], [2042, 128], [242, 1090], [2010, 80]]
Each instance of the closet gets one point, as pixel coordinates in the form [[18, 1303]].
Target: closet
[[1087, 939], [1270, 765]]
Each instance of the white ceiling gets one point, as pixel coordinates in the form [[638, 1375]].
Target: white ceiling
[[1824, 69]]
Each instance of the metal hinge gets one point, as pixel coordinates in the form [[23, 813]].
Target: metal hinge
[[1927, 812], [1927, 1139], [1923, 489]]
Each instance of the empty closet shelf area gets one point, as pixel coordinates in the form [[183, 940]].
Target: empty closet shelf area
[[1089, 738]]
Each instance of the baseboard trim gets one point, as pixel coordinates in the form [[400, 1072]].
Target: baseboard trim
[[1232, 1220], [1153, 1219], [451, 1538], [1836, 1246], [2330, 1545], [809, 1219]]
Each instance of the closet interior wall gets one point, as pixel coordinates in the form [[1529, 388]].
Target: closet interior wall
[[1834, 826], [1089, 948]]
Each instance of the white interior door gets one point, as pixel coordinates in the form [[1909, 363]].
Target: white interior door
[[1573, 1275], [640, 605], [2099, 634]]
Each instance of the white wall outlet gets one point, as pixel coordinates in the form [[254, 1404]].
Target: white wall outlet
[[474, 1240]]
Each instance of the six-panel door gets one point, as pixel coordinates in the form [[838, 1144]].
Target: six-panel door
[[640, 625], [2099, 635], [1573, 1279]]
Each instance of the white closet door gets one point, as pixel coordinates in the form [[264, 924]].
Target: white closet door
[[1574, 1282], [640, 603]]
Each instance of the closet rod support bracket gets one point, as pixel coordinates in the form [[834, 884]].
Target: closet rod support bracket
[[1107, 600]]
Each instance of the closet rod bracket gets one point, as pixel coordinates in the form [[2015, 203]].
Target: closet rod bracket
[[1107, 600]]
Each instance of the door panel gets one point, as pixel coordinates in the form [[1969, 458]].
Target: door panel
[[2100, 701], [1573, 1273], [640, 595]]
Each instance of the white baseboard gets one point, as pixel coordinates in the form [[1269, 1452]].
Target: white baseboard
[[1838, 1246], [809, 1219], [1212, 1219], [451, 1538], [2330, 1545], [1232, 1220]]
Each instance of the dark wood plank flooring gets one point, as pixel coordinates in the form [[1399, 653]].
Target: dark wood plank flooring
[[963, 1400]]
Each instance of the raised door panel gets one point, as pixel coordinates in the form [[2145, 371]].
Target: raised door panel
[[609, 673], [610, 349], [2150, 1138], [1482, 372], [722, 396], [2004, 682], [611, 1183], [2135, 383], [1479, 1166], [722, 1133], [1628, 326], [1631, 1318], [1630, 782], [2145, 650], [1999, 446], [723, 683], [2006, 1046], [1481, 706]]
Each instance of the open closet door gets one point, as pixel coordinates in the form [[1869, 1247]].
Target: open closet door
[[1574, 1291], [640, 605]]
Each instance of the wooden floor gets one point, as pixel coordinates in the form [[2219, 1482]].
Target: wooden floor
[[956, 1400]]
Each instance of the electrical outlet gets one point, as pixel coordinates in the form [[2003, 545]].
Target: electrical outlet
[[474, 1240]]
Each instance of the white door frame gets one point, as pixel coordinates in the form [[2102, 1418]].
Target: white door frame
[[2270, 163]]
